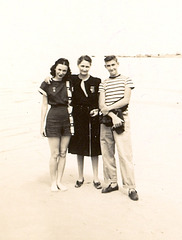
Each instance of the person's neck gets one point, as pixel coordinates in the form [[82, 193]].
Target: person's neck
[[115, 76], [83, 77], [57, 79]]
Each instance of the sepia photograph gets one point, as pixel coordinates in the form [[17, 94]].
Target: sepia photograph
[[91, 120]]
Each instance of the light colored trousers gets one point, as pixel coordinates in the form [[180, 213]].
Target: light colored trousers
[[122, 141]]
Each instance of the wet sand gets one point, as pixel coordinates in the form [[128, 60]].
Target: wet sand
[[29, 210]]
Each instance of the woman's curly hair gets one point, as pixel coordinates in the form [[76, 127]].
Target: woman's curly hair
[[62, 61]]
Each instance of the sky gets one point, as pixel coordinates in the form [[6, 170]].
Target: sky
[[35, 33]]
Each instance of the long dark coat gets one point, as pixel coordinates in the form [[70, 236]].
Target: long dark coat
[[86, 141]]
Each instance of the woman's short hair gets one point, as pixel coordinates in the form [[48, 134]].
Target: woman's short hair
[[84, 57], [62, 61], [110, 58]]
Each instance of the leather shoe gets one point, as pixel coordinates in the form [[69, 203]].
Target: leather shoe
[[79, 183], [110, 189], [133, 195], [97, 185]]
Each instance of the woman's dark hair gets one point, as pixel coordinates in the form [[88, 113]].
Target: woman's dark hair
[[62, 61], [84, 57], [110, 58]]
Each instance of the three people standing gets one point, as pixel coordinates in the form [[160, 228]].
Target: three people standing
[[115, 95]]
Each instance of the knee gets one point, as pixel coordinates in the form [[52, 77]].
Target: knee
[[55, 154], [62, 154]]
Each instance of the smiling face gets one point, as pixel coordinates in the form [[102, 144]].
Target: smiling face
[[84, 67], [112, 67], [60, 71]]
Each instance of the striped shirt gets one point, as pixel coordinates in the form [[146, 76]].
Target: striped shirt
[[114, 88]]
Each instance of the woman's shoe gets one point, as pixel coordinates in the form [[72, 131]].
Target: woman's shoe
[[79, 183], [97, 185]]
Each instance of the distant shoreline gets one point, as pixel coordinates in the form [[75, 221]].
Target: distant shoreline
[[154, 56], [177, 55]]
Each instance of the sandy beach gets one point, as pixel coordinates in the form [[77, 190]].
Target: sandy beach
[[146, 37], [30, 211]]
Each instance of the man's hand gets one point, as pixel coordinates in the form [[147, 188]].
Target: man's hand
[[105, 110], [117, 122], [48, 80]]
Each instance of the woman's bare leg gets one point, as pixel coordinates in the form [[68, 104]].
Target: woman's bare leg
[[95, 168], [80, 161], [62, 161], [54, 144], [96, 182]]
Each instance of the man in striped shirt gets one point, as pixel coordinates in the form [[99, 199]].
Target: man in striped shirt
[[115, 94]]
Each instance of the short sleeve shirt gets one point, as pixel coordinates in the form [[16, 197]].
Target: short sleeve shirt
[[56, 92], [114, 88]]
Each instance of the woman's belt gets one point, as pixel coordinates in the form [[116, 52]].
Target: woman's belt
[[59, 105]]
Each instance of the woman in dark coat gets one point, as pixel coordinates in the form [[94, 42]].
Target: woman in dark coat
[[86, 140]]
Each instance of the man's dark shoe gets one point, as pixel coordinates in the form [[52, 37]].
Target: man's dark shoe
[[110, 189], [133, 195]]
